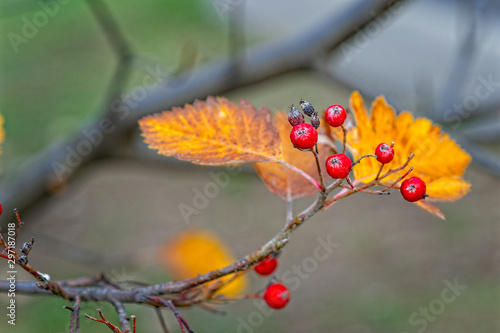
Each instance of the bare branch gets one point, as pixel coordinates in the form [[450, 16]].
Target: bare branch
[[75, 316], [103, 320], [122, 315]]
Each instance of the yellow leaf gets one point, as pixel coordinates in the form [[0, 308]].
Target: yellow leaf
[[214, 132], [447, 189], [439, 161], [358, 108], [281, 180], [426, 205], [196, 252], [384, 116]]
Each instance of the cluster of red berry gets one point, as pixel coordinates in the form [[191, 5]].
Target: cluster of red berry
[[305, 137], [276, 295]]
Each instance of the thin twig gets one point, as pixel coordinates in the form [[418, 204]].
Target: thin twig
[[19, 223], [104, 321], [75, 316], [398, 180], [391, 171], [320, 172], [297, 170], [168, 303], [122, 315], [379, 171], [163, 324], [364, 156]]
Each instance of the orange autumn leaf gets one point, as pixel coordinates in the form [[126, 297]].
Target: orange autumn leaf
[[426, 205], [438, 161], [214, 132], [281, 180], [196, 252]]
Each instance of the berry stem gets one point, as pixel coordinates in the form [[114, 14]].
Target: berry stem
[[391, 171], [349, 182], [379, 171], [364, 156], [297, 170], [344, 140], [360, 189], [320, 172], [398, 180]]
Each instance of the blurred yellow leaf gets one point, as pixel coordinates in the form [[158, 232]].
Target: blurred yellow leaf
[[213, 132], [196, 252]]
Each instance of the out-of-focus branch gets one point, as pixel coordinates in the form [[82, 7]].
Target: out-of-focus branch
[[480, 156], [75, 316], [120, 47], [462, 64], [122, 315]]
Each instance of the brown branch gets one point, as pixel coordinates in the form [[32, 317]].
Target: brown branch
[[75, 316], [320, 172], [103, 320], [168, 303], [99, 288], [111, 293], [136, 295]]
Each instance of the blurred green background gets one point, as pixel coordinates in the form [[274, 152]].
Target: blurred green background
[[392, 259]]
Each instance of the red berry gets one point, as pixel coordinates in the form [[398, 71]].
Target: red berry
[[413, 189], [266, 266], [335, 115], [304, 136], [384, 152], [338, 166], [295, 117], [1, 210], [277, 296]]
